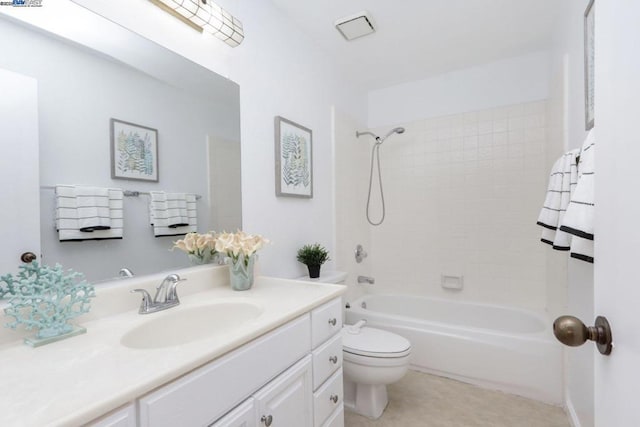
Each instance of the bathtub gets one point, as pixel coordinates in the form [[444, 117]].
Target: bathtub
[[491, 346]]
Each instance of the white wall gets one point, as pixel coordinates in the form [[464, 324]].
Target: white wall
[[280, 72], [507, 82], [567, 88]]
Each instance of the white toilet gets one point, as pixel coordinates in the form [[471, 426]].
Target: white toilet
[[372, 359]]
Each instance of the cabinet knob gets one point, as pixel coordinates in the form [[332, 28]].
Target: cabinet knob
[[267, 420], [333, 321], [334, 398], [333, 359]]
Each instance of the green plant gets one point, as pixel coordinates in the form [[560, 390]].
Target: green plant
[[314, 254]]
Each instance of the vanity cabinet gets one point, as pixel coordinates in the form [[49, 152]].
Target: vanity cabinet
[[290, 377], [204, 395]]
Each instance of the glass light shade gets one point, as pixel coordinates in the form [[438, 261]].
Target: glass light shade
[[207, 16]]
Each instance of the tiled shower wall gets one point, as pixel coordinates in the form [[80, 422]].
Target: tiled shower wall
[[462, 196]]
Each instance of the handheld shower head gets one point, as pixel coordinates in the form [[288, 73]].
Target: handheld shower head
[[392, 131], [378, 139]]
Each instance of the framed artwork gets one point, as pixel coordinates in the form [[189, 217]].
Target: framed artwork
[[134, 151], [294, 175], [589, 24]]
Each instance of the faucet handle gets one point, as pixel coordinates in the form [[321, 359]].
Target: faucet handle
[[146, 300], [172, 295]]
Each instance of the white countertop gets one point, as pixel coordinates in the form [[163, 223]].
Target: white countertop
[[73, 381]]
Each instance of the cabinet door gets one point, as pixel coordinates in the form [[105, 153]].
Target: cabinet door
[[287, 400], [242, 416]]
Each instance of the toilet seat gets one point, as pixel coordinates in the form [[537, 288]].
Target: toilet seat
[[374, 343]]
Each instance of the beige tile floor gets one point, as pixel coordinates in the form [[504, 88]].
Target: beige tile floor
[[422, 400]]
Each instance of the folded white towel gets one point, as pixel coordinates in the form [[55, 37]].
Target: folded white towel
[[578, 219], [93, 208], [562, 182], [173, 214], [75, 209]]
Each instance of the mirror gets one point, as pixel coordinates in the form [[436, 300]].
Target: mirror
[[195, 111]]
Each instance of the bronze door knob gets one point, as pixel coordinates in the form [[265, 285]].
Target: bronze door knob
[[570, 330]]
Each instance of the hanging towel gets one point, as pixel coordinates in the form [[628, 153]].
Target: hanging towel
[[93, 208], [71, 208], [562, 182], [173, 214], [578, 219], [177, 209]]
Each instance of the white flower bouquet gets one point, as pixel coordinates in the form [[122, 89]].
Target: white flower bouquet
[[201, 248], [239, 245]]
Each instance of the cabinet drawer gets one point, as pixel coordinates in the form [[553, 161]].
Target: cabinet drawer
[[326, 360], [327, 399], [326, 320], [208, 393], [336, 420]]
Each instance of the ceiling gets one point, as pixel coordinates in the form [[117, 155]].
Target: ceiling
[[416, 39]]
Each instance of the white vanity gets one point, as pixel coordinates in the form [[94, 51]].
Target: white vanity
[[281, 367]]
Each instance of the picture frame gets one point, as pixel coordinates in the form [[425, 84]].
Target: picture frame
[[589, 54], [294, 159], [134, 151]]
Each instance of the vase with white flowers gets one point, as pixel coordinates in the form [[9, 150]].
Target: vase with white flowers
[[240, 248], [201, 248]]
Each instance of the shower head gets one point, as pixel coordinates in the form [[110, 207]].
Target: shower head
[[392, 131], [378, 139]]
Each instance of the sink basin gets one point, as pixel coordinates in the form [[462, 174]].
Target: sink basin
[[182, 325]]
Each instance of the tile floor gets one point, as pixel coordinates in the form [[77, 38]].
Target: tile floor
[[423, 400]]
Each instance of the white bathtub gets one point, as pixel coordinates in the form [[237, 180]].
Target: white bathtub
[[491, 346]]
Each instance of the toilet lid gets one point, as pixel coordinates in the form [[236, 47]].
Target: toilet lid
[[374, 343]]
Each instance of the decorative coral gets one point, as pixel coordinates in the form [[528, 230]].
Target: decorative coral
[[46, 298]]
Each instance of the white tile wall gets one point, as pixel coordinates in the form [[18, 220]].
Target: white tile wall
[[463, 193]]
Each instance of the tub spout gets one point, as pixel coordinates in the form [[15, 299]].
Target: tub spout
[[355, 329], [366, 279]]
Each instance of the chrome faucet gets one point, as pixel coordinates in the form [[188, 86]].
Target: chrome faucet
[[166, 295], [125, 272], [366, 279]]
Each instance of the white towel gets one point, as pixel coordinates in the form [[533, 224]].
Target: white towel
[[173, 214], [578, 219], [93, 208], [68, 217], [562, 182]]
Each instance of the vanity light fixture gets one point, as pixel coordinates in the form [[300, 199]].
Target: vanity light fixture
[[205, 15]]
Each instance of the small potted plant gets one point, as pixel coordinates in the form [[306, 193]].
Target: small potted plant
[[313, 256]]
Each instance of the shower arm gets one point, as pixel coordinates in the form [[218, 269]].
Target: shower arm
[[358, 134]]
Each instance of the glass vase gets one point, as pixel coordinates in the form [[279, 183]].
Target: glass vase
[[241, 272], [200, 259]]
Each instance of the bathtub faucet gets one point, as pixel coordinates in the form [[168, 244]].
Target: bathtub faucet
[[366, 279]]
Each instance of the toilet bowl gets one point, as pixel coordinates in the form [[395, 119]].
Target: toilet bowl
[[372, 359]]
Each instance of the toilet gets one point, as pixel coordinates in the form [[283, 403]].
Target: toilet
[[372, 359]]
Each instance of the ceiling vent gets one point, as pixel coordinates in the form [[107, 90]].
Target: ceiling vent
[[354, 26]]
